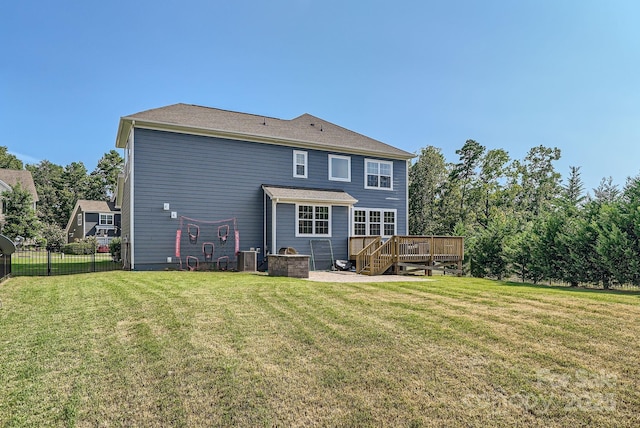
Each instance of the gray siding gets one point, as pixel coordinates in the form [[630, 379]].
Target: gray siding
[[75, 231], [286, 224], [213, 179], [125, 227]]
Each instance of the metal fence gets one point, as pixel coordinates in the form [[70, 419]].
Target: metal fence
[[47, 263]]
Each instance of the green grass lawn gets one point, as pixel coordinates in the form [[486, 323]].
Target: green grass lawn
[[230, 349]]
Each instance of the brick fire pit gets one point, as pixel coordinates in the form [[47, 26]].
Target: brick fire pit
[[291, 265]]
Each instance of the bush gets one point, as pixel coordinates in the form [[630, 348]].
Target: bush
[[115, 247], [88, 245], [54, 235]]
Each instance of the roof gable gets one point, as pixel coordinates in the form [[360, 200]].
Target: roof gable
[[305, 131], [96, 206], [14, 176]]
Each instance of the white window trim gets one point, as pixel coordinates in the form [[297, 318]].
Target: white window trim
[[295, 164], [79, 221], [348, 159], [312, 235], [106, 224], [367, 223], [378, 161]]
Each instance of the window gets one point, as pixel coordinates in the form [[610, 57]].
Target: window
[[80, 219], [379, 174], [299, 164], [106, 219], [313, 220], [374, 222], [339, 168]]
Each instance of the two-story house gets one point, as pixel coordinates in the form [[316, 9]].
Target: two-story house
[[94, 218], [285, 183]]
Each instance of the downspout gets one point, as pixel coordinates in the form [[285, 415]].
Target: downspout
[[406, 212], [264, 222], [131, 198]]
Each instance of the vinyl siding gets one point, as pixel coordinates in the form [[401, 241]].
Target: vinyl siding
[[75, 231], [213, 179]]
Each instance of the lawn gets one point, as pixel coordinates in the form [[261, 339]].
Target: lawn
[[231, 349]]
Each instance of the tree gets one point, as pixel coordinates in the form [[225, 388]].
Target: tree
[[20, 218], [492, 170], [464, 172], [8, 160], [47, 178], [427, 177], [489, 251], [108, 169], [54, 235], [573, 191], [606, 191], [540, 183]]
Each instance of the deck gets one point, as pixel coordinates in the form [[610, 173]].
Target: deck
[[405, 254]]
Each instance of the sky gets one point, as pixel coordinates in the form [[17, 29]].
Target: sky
[[508, 74]]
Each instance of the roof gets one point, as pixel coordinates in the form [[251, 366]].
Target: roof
[[305, 131], [95, 206], [90, 207], [301, 194], [11, 177]]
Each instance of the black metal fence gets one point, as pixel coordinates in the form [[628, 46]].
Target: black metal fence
[[47, 263], [5, 266]]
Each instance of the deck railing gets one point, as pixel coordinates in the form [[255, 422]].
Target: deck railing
[[373, 256]]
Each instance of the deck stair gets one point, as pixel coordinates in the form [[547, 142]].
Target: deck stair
[[404, 254]]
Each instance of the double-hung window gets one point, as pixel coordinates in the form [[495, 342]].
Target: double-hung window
[[374, 222], [378, 174], [339, 168], [80, 219], [313, 220], [106, 219], [300, 164]]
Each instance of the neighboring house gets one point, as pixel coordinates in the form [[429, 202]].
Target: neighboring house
[[94, 218], [10, 177], [286, 182]]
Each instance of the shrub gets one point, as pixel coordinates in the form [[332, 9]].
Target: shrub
[[88, 245], [115, 247]]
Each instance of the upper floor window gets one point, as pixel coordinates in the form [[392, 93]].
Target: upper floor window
[[106, 219], [300, 164], [313, 220], [79, 219], [378, 174], [339, 168]]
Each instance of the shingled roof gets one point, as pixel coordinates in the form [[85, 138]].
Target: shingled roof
[[96, 206], [305, 131], [11, 177]]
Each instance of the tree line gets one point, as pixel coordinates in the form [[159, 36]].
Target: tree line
[[58, 187], [519, 218]]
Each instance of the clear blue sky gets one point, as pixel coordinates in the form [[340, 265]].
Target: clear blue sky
[[510, 74]]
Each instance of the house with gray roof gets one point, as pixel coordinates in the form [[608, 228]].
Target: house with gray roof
[[94, 218], [9, 178], [194, 173]]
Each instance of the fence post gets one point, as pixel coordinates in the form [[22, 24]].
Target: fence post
[[93, 262], [48, 263]]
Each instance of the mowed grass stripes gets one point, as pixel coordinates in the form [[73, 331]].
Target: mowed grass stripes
[[230, 349]]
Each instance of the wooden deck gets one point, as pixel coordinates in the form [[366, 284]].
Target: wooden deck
[[405, 254]]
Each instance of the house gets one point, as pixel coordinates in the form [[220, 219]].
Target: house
[[10, 177], [94, 218], [251, 182]]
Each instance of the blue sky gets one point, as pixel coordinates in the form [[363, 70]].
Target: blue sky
[[509, 74]]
